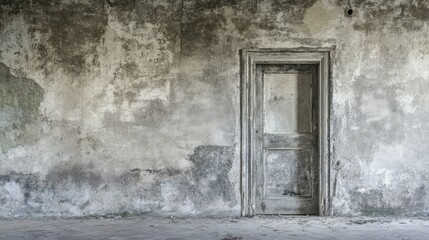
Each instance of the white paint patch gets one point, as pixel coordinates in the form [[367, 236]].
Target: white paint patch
[[407, 103], [13, 191], [183, 164], [389, 157], [187, 207], [418, 60], [153, 93], [375, 109], [168, 192], [16, 152]]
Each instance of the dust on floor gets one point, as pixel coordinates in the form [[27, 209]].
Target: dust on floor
[[274, 227]]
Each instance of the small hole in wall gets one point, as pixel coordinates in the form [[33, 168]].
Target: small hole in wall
[[350, 12]]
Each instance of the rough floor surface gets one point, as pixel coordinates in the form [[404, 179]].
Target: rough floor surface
[[218, 228]]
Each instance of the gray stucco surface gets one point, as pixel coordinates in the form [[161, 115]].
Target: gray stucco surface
[[132, 107]]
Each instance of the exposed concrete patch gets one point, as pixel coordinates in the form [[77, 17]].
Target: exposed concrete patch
[[16, 191], [319, 16], [210, 171], [20, 100]]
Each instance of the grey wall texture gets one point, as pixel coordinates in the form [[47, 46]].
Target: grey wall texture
[[133, 106]]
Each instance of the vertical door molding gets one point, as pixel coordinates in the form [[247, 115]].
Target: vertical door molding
[[249, 59]]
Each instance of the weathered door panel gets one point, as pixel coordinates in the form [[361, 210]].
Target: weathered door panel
[[286, 152]]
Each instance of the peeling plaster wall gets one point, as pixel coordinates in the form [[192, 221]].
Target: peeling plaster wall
[[132, 107]]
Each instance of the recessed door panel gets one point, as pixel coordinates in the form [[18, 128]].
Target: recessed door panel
[[287, 102], [288, 173]]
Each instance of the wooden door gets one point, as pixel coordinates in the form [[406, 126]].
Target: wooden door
[[286, 139]]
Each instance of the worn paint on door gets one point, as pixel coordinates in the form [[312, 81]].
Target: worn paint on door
[[286, 139]]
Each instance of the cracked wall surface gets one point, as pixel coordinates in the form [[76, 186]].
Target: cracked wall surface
[[113, 107]]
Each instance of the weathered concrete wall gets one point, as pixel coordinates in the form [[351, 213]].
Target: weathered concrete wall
[[117, 107]]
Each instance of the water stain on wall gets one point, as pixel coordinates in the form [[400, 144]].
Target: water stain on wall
[[73, 32], [400, 15], [206, 181], [78, 175]]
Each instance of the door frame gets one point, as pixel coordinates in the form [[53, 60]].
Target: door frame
[[249, 59]]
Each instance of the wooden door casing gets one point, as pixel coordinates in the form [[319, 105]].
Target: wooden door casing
[[250, 58]]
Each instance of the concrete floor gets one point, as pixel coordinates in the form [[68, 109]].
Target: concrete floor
[[218, 228]]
